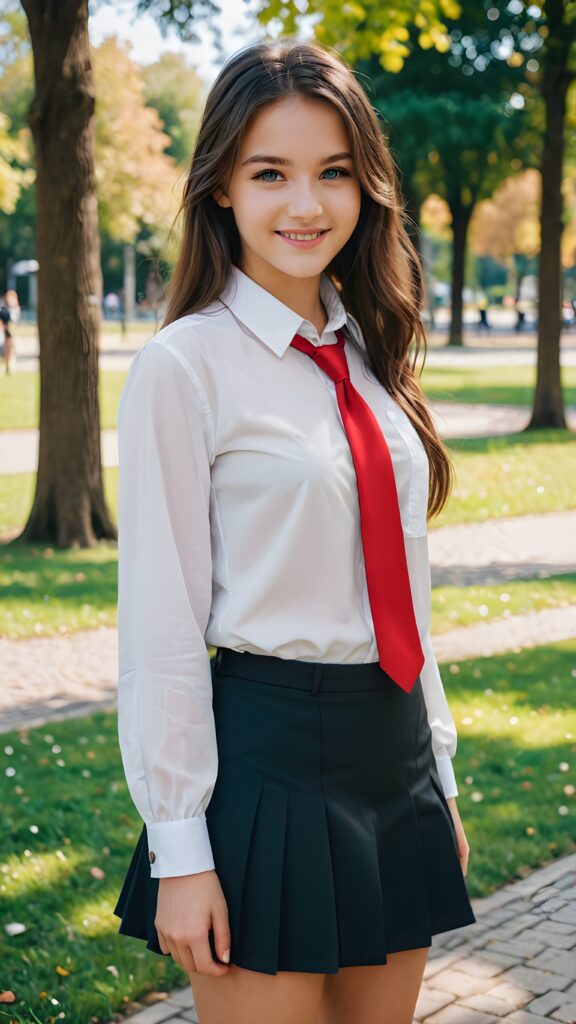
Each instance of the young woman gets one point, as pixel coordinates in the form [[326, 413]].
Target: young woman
[[301, 841]]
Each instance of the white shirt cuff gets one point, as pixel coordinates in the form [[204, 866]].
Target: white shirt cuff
[[447, 777], [179, 847]]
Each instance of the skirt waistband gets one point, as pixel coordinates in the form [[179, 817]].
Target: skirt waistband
[[302, 675]]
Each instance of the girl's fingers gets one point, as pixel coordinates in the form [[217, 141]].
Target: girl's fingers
[[162, 942]]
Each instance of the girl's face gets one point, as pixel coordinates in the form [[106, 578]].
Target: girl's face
[[294, 173]]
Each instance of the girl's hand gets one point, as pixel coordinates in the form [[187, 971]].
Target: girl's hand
[[463, 847], [188, 907]]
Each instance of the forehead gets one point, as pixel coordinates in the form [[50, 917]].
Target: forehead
[[295, 121]]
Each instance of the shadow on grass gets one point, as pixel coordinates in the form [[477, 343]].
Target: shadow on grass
[[502, 442], [68, 577]]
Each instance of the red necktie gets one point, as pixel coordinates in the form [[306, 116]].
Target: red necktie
[[399, 649]]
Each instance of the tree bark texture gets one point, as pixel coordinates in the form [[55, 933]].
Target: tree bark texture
[[69, 505], [461, 215], [548, 408]]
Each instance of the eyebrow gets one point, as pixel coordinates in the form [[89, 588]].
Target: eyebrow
[[261, 158]]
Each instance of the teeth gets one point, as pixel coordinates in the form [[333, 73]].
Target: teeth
[[303, 238]]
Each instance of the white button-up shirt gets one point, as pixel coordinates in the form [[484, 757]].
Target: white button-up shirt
[[239, 527]]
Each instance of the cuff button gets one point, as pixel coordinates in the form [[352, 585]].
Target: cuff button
[[152, 856]]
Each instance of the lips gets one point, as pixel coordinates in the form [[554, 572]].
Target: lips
[[318, 231]]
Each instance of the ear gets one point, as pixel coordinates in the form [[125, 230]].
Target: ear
[[221, 198]]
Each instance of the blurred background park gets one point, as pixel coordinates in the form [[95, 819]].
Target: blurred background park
[[99, 109]]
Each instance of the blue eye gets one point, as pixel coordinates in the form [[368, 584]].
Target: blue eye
[[340, 171], [259, 176]]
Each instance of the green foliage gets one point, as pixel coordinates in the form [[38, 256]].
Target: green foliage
[[13, 151], [183, 16], [16, 173], [174, 89], [133, 173], [360, 30]]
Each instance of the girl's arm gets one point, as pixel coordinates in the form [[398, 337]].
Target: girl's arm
[[444, 738], [165, 719]]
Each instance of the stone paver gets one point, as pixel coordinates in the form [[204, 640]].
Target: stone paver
[[519, 631], [497, 550], [57, 677]]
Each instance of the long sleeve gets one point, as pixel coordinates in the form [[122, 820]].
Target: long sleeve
[[442, 727], [165, 718]]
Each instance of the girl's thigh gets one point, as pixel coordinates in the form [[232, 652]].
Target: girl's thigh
[[249, 997], [384, 994]]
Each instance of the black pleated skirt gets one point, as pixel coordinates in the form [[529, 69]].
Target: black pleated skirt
[[332, 839]]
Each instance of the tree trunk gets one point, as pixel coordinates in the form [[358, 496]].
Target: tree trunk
[[460, 220], [69, 505], [548, 409]]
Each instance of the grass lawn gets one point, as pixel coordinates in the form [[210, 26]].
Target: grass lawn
[[508, 384], [47, 592], [59, 879], [19, 399], [514, 474], [463, 606]]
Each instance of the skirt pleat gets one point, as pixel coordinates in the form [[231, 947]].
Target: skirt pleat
[[264, 874], [308, 931], [136, 906], [332, 838], [355, 864]]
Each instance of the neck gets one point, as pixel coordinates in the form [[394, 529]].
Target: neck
[[301, 294]]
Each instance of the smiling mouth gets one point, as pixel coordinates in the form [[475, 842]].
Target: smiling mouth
[[302, 236]]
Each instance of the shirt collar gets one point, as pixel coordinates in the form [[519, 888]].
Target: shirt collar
[[275, 323]]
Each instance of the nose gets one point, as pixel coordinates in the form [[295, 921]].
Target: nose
[[304, 202]]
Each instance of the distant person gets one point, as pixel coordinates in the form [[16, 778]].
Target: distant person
[[482, 306], [13, 304], [568, 313], [521, 310], [111, 304], [6, 320]]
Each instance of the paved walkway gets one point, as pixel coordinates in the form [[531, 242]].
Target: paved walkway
[[58, 677], [516, 965], [514, 547]]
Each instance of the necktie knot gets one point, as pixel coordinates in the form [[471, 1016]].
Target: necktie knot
[[330, 358]]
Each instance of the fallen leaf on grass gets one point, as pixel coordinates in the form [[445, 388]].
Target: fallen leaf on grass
[[15, 928]]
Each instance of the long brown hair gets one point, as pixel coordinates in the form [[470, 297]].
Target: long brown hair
[[377, 273]]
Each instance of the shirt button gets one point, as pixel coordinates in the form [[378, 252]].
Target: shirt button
[[152, 856]]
